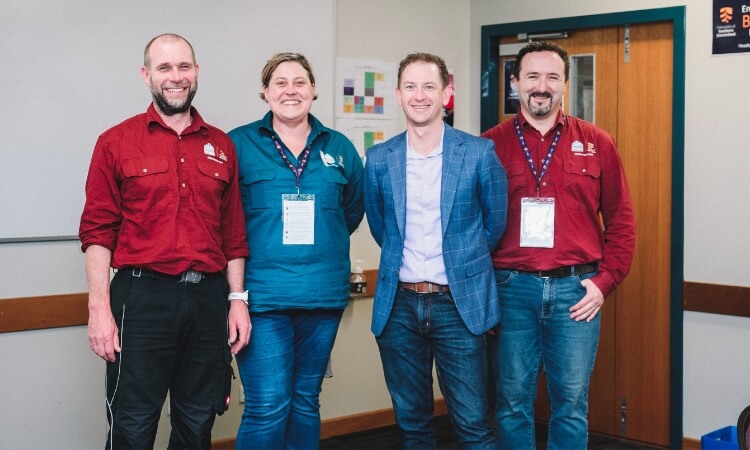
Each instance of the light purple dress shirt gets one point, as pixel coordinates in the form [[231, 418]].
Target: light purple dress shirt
[[423, 243]]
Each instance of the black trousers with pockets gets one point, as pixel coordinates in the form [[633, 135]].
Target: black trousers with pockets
[[174, 339]]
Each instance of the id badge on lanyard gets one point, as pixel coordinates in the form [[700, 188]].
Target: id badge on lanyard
[[537, 213], [538, 222], [297, 210], [298, 213]]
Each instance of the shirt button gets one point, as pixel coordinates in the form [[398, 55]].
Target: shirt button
[[183, 184], [182, 160], [145, 170], [216, 174], [544, 183], [584, 170]]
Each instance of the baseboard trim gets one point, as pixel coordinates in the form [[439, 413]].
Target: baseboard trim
[[691, 444], [369, 420], [337, 426]]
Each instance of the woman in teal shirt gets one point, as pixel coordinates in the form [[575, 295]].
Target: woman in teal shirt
[[302, 192]]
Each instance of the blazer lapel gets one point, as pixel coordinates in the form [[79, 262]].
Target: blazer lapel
[[453, 157], [397, 173]]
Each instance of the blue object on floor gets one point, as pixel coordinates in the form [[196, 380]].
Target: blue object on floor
[[721, 439]]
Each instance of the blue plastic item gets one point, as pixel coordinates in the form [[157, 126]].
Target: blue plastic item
[[721, 439]]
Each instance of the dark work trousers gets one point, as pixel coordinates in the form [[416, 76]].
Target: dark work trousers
[[174, 338]]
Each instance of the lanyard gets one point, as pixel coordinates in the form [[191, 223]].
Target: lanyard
[[545, 163], [304, 156]]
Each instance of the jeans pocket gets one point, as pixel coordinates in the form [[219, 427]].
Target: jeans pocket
[[225, 388], [503, 276]]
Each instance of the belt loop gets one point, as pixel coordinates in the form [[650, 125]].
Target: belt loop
[[138, 275]]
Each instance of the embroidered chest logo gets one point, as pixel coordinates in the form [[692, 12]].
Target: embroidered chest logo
[[211, 152], [577, 148], [330, 161]]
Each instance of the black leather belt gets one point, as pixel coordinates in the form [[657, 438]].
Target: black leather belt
[[565, 271], [189, 276], [425, 287]]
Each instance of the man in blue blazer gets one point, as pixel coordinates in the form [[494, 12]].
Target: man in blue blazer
[[436, 202]]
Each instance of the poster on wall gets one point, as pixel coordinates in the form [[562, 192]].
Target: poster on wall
[[511, 103], [448, 108], [365, 133], [364, 89], [731, 26]]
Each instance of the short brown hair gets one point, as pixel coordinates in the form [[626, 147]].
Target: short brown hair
[[428, 58], [541, 46], [273, 63]]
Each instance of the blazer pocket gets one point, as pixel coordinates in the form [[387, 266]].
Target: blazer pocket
[[478, 265]]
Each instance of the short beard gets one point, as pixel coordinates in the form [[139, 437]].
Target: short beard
[[539, 112], [169, 109]]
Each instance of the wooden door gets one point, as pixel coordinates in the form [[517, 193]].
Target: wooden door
[[633, 102], [644, 139]]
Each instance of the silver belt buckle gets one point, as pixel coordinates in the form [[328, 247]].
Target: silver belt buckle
[[191, 276]]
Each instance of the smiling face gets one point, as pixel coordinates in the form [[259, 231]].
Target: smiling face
[[421, 94], [171, 74], [289, 92], [541, 84]]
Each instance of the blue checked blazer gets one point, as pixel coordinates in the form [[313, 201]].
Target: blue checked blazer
[[473, 206]]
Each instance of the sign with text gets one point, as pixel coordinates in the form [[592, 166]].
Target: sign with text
[[731, 26]]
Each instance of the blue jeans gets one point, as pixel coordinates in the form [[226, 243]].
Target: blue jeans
[[422, 327], [536, 330], [282, 372]]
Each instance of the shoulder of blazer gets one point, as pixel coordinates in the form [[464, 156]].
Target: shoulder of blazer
[[463, 137], [397, 142], [392, 144], [455, 138]]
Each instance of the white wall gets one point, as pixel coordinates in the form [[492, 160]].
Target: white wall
[[716, 192], [87, 57], [50, 383]]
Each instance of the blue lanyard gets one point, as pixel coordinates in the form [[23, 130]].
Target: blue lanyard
[[545, 163], [304, 156]]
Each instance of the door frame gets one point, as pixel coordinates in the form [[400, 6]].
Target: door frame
[[489, 118]]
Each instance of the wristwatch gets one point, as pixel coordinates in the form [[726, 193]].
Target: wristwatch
[[244, 296]]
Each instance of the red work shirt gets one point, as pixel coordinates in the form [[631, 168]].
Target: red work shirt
[[163, 201], [594, 218]]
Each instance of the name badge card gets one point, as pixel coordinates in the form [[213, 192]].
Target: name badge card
[[299, 219], [538, 222]]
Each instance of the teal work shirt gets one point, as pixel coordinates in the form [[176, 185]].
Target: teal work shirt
[[279, 276]]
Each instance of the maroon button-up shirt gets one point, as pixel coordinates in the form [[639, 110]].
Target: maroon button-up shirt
[[163, 201], [594, 219]]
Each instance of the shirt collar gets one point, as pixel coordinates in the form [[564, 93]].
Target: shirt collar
[[526, 126], [316, 128], [437, 151], [153, 119]]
